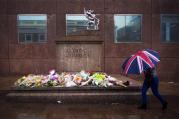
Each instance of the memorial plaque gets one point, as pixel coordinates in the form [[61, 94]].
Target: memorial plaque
[[75, 57]]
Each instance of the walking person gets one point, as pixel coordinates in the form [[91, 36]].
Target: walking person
[[151, 81], [145, 61]]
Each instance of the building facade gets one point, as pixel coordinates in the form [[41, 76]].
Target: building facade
[[55, 41]]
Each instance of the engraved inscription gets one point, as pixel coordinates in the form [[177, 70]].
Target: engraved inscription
[[76, 57], [77, 52]]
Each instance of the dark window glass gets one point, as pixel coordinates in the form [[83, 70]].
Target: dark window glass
[[41, 37], [28, 37], [170, 28], [30, 27], [21, 37], [127, 28], [35, 37]]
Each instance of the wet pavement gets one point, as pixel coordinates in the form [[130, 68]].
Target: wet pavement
[[19, 110], [85, 111]]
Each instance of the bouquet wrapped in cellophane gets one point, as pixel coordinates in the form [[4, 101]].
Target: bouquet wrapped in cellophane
[[66, 79]]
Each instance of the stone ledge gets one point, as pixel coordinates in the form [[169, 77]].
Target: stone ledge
[[91, 97]]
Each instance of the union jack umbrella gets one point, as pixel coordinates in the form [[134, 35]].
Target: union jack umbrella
[[141, 61]]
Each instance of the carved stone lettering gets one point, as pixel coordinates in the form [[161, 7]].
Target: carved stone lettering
[[77, 57], [77, 52]]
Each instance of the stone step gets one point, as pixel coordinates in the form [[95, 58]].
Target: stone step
[[77, 89], [87, 97], [74, 94], [80, 95]]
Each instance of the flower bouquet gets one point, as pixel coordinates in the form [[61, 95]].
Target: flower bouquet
[[66, 79]]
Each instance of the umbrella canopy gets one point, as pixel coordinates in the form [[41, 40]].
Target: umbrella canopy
[[140, 61]]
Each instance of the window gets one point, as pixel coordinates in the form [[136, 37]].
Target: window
[[170, 28], [28, 37], [127, 28], [32, 28], [75, 24]]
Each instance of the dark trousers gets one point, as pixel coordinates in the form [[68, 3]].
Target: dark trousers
[[153, 83]]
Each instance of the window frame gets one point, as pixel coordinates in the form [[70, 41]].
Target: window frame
[[46, 30], [161, 40], [141, 35]]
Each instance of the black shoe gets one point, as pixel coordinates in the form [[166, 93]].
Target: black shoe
[[164, 106], [144, 106]]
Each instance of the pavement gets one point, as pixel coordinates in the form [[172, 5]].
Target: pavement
[[18, 110], [86, 111]]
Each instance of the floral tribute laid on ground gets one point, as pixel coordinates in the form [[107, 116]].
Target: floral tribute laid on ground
[[66, 79]]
